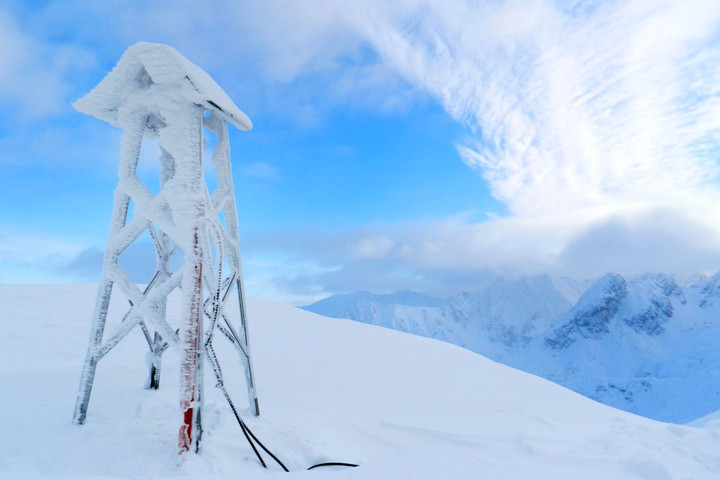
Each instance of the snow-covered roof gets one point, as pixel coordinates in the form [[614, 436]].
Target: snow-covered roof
[[145, 64]]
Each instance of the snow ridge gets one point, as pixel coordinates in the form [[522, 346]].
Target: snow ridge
[[642, 344]]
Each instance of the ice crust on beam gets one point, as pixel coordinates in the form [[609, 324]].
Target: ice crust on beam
[[145, 65]]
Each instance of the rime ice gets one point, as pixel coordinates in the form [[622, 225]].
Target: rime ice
[[154, 92]]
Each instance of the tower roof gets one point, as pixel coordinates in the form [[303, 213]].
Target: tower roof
[[145, 64]]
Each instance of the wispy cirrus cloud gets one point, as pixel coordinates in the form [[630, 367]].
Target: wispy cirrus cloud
[[573, 102], [575, 106], [593, 122]]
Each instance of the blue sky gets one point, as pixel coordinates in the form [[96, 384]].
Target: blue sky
[[399, 144]]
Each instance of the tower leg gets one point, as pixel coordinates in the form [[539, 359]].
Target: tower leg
[[252, 394], [155, 361], [96, 334], [86, 381], [221, 160], [130, 154]]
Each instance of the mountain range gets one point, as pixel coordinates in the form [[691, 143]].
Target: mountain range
[[644, 344]]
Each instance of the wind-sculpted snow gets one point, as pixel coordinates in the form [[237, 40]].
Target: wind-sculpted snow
[[645, 344]]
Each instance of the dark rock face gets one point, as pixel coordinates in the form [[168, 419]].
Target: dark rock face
[[653, 303], [709, 291], [651, 320], [591, 317]]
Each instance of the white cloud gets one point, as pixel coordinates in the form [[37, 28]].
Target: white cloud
[[32, 258], [592, 121], [442, 257], [32, 72], [571, 104], [372, 247], [661, 240], [592, 110]]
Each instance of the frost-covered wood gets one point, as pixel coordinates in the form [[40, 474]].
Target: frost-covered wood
[[154, 92]]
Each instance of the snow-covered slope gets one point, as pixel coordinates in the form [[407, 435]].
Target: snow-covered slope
[[399, 405], [645, 344]]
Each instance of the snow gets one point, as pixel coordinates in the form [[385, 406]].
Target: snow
[[146, 65], [330, 390], [641, 344]]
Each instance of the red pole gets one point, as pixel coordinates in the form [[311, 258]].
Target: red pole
[[190, 363]]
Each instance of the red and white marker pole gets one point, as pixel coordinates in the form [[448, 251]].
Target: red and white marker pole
[[191, 363]]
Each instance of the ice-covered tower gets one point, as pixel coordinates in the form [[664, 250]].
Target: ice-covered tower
[[155, 93]]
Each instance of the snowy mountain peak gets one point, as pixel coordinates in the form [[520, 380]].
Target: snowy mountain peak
[[644, 304], [591, 316], [708, 291], [649, 304]]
